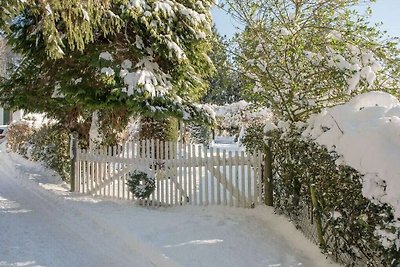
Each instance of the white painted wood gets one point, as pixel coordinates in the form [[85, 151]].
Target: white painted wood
[[206, 171], [224, 184], [103, 172], [260, 184], [158, 182], [174, 167], [153, 167], [230, 182], [170, 174], [242, 178], [98, 171], [211, 160], [194, 161], [123, 156], [236, 191], [144, 164], [255, 173], [147, 161], [180, 177], [190, 173], [91, 177], [129, 151], [109, 172], [201, 179], [165, 174], [162, 180], [185, 175], [118, 176], [113, 180], [218, 164], [250, 178], [84, 178]]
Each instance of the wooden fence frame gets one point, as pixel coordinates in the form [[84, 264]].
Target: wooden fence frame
[[192, 174]]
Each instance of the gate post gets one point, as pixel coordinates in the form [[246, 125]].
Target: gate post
[[267, 175], [73, 155]]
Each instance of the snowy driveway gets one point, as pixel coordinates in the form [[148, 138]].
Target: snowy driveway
[[42, 224]]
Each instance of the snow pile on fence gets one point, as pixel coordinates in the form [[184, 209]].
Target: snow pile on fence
[[366, 132]]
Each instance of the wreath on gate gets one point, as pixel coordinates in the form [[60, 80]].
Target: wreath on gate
[[140, 184]]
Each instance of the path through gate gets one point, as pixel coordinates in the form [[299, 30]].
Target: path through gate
[[186, 174]]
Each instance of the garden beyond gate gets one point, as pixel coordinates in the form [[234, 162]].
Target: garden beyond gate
[[185, 174]]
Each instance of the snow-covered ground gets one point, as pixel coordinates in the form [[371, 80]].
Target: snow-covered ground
[[42, 224]]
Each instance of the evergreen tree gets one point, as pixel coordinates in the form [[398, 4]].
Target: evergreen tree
[[117, 56], [224, 84], [299, 56]]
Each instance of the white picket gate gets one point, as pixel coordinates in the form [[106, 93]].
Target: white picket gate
[[186, 174]]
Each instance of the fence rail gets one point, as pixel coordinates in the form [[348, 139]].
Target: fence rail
[[185, 174]]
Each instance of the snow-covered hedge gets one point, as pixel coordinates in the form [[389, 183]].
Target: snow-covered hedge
[[18, 136], [350, 154], [48, 144], [366, 132], [350, 221]]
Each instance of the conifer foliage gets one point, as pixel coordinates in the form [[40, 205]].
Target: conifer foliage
[[147, 57]]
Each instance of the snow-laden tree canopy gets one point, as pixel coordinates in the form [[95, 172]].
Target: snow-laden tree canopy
[[138, 55], [301, 56]]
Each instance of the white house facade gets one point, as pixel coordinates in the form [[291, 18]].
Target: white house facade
[[6, 117]]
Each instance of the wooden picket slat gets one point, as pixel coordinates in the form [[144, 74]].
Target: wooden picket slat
[[224, 184], [194, 161], [175, 172], [230, 178], [158, 182], [236, 191], [170, 173], [153, 167], [189, 173], [185, 175], [200, 161], [212, 182], [164, 173], [259, 176], [249, 196], [162, 181], [218, 177], [207, 165]]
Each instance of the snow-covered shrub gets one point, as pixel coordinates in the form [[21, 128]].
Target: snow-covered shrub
[[18, 136], [355, 229], [200, 133], [254, 138], [50, 145]]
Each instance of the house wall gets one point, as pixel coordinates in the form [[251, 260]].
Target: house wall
[[1, 116], [7, 117]]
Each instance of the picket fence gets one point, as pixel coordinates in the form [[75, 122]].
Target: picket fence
[[186, 174]]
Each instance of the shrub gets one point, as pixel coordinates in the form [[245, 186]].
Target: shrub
[[19, 133], [199, 133], [50, 145], [254, 138]]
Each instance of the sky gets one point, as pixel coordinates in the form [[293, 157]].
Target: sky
[[386, 11]]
